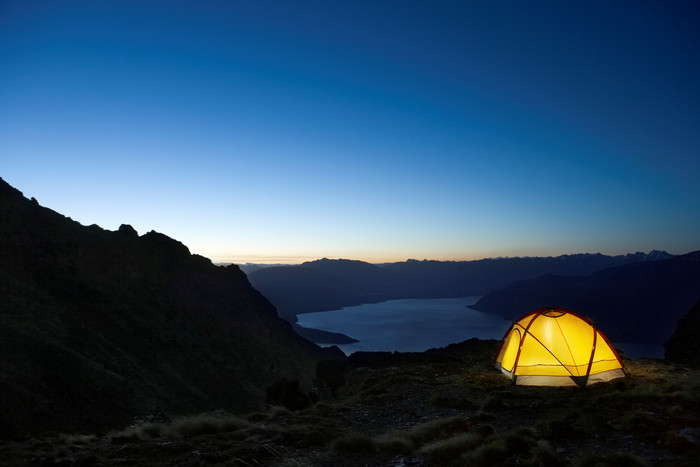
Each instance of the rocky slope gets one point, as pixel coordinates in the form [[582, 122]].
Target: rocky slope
[[97, 327]]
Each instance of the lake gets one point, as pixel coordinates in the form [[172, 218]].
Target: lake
[[416, 325], [409, 325]]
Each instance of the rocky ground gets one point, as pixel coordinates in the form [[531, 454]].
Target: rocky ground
[[441, 407]]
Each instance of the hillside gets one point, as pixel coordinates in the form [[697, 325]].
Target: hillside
[[443, 407], [325, 284], [639, 302], [97, 327], [684, 346]]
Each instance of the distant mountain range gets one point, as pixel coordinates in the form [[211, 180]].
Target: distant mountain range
[[638, 302], [634, 298], [97, 327], [331, 284]]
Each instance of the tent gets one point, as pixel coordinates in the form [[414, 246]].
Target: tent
[[557, 347]]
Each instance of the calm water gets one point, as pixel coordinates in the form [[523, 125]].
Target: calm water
[[410, 325], [415, 325]]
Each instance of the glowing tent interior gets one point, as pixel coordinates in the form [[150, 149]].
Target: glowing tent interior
[[557, 347]]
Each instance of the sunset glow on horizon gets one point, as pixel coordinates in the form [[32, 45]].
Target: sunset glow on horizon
[[283, 132]]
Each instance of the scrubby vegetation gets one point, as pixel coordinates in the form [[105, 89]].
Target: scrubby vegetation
[[182, 427], [444, 407]]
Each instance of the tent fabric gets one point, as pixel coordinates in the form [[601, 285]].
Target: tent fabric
[[557, 347]]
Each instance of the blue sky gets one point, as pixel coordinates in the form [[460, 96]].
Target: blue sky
[[374, 130]]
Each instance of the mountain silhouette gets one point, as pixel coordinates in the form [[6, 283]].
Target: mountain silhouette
[[684, 346], [639, 302], [325, 284], [98, 327]]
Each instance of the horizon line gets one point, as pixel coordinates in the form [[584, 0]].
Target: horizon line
[[297, 260]]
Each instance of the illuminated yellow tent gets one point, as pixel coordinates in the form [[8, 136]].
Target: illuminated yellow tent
[[557, 347]]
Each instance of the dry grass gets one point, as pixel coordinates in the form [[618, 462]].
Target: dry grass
[[439, 429], [394, 443], [446, 451], [447, 413], [182, 427]]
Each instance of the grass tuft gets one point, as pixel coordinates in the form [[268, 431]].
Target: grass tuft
[[440, 428], [520, 439], [205, 424], [492, 403], [353, 443], [493, 452], [517, 447], [394, 443], [278, 411], [182, 427], [151, 430], [570, 424], [447, 450], [544, 455], [307, 435]]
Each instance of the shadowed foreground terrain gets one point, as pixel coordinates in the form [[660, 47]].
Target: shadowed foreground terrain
[[441, 407]]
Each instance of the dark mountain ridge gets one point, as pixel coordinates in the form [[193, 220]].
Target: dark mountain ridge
[[638, 302], [97, 327], [325, 284], [684, 346]]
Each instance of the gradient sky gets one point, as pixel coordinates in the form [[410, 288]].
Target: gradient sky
[[284, 131]]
